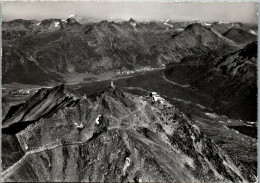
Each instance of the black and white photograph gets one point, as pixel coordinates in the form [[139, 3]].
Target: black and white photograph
[[129, 91]]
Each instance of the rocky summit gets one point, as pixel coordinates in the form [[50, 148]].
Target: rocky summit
[[112, 136]]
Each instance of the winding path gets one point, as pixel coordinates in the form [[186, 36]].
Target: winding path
[[172, 82], [5, 174]]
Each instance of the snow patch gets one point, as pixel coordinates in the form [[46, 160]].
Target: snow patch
[[78, 126], [203, 23], [253, 32], [207, 24], [179, 29], [133, 25], [126, 165], [189, 161], [97, 119], [225, 126], [167, 24], [21, 92], [26, 146], [84, 96], [192, 137], [201, 106], [251, 123], [223, 22], [211, 115], [229, 121], [236, 131], [57, 24], [196, 128]]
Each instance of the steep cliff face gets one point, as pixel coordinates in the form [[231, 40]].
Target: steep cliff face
[[43, 104], [114, 136]]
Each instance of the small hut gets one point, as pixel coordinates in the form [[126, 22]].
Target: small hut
[[155, 96]]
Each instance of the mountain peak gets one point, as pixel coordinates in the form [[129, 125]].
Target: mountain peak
[[234, 30], [43, 103], [131, 20], [71, 20], [196, 27], [64, 89], [240, 36], [48, 22]]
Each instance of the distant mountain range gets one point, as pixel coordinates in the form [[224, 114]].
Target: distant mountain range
[[54, 47]]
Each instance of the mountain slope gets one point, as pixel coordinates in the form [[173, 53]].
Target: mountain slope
[[234, 74], [122, 137], [95, 48], [240, 36], [53, 48], [43, 104], [17, 28], [196, 39]]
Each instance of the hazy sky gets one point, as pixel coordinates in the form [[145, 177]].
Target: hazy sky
[[181, 11]]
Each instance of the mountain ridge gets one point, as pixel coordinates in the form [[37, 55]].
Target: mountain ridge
[[240, 36], [125, 128], [233, 73]]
